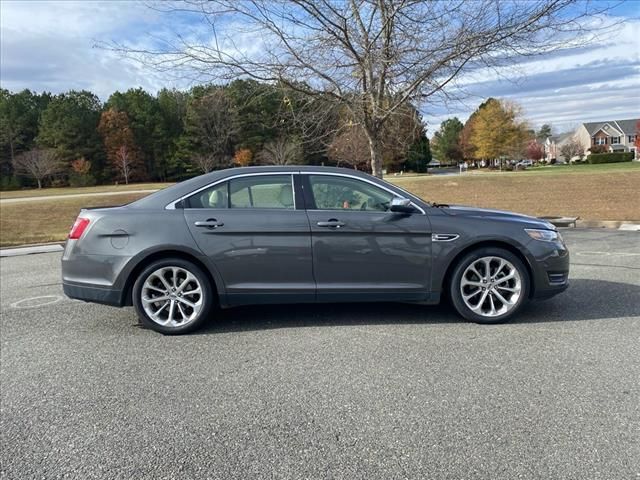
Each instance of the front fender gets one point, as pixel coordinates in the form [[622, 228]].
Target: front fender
[[451, 252]]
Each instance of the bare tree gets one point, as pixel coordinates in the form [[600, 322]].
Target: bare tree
[[212, 123], [571, 149], [38, 164], [282, 151], [207, 162], [124, 162], [350, 147], [370, 56], [313, 119]]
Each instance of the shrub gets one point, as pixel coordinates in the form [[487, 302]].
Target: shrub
[[598, 149], [610, 157], [9, 182], [81, 180]]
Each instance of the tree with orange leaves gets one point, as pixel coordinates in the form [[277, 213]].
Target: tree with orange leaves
[[243, 157], [119, 143]]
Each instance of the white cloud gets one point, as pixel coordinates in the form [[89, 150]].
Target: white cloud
[[50, 46], [567, 87]]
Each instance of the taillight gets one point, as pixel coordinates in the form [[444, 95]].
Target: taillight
[[78, 228]]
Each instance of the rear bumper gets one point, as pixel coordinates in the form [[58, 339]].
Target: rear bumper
[[93, 293]]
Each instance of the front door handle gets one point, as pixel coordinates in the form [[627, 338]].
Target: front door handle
[[209, 223], [331, 223]]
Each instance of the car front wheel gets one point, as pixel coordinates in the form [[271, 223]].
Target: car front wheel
[[172, 296], [489, 285]]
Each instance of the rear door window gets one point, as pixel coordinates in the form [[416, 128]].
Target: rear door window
[[262, 191]]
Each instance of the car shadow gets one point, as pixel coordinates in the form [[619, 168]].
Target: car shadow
[[584, 300]]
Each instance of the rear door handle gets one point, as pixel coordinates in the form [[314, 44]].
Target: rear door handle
[[209, 223], [332, 223]]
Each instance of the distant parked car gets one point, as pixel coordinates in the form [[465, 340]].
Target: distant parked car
[[263, 235], [524, 163]]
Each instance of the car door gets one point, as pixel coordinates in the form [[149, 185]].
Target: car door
[[361, 250], [256, 238]]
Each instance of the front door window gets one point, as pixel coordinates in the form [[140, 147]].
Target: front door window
[[332, 192]]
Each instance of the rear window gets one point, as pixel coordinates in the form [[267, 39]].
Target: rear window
[[213, 197]]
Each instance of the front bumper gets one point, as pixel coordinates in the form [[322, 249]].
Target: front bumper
[[93, 293], [543, 294], [550, 269]]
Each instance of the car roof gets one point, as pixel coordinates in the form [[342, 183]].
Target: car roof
[[165, 196]]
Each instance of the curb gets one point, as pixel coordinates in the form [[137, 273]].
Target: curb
[[630, 227], [29, 250], [617, 225]]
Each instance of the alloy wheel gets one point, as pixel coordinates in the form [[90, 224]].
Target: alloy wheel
[[491, 286], [172, 296]]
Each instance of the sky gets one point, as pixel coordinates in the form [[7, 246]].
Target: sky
[[51, 46]]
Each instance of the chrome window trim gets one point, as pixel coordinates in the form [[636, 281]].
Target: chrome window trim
[[172, 205], [362, 180]]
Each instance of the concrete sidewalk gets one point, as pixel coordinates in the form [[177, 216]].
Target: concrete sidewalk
[[31, 249]]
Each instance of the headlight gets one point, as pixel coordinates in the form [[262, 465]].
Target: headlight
[[543, 235]]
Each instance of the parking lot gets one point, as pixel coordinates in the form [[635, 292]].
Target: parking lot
[[327, 391]]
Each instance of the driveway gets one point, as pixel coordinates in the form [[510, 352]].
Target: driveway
[[327, 391]]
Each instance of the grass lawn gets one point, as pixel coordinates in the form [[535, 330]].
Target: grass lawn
[[602, 168], [592, 192], [49, 220], [550, 170], [69, 190]]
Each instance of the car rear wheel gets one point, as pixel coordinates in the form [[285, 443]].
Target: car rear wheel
[[172, 296], [489, 285]]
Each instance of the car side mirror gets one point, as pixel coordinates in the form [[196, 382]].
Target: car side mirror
[[401, 205]]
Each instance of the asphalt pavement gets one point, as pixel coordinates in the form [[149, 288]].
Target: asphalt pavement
[[327, 391]]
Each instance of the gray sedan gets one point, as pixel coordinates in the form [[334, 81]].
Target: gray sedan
[[305, 234]]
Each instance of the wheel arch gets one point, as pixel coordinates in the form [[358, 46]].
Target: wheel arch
[[147, 258], [487, 244]]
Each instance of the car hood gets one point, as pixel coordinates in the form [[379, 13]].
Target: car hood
[[497, 215]]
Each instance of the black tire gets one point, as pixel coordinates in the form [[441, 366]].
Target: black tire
[[455, 293], [208, 297]]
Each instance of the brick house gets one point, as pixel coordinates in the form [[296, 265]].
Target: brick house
[[614, 135], [553, 144]]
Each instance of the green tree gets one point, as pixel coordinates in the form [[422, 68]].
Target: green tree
[[419, 155], [257, 105], [172, 106], [145, 118], [544, 132], [69, 125], [19, 115], [211, 126], [446, 141]]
